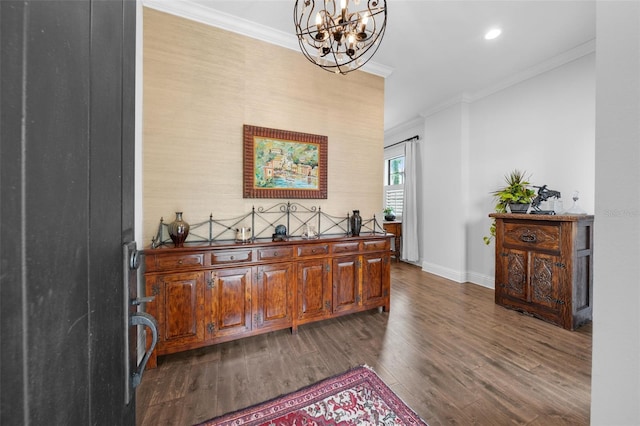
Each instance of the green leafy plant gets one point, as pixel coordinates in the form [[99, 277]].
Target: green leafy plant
[[388, 210], [516, 191]]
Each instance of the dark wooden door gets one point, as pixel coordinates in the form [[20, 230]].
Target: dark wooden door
[[66, 208], [547, 284], [512, 272]]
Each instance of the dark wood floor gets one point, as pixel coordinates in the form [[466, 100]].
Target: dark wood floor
[[445, 348]]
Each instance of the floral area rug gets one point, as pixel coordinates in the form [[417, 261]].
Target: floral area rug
[[357, 397]]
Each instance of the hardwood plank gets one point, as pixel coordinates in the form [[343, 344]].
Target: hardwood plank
[[233, 378], [445, 348], [201, 398]]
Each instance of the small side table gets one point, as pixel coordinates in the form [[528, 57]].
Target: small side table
[[395, 228]]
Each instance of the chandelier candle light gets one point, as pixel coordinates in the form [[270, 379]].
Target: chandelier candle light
[[340, 40]]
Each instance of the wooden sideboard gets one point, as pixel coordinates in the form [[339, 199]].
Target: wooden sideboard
[[395, 228], [213, 293], [544, 266]]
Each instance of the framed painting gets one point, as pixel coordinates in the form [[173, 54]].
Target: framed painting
[[284, 164]]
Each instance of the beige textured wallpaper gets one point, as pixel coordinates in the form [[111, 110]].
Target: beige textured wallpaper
[[201, 84]]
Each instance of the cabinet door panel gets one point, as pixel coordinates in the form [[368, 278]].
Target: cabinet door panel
[[230, 302], [374, 283], [546, 283], [180, 313], [314, 293], [346, 295], [274, 298], [511, 274]]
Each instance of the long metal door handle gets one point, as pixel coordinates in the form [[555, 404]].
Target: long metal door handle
[[143, 318]]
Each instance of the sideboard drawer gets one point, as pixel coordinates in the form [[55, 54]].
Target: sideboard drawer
[[376, 245], [231, 256], [350, 247], [527, 236], [180, 261], [275, 253], [312, 250]]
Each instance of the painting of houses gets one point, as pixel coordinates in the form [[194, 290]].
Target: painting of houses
[[283, 164]]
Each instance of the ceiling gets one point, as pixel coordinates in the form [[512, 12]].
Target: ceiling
[[433, 52]]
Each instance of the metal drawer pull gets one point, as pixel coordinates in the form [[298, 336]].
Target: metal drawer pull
[[528, 238]]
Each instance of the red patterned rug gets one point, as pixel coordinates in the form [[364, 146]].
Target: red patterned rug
[[357, 397]]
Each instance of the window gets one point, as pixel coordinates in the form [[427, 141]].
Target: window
[[394, 183], [395, 171]]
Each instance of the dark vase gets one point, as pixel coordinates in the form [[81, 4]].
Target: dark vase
[[178, 230], [389, 217], [356, 223]]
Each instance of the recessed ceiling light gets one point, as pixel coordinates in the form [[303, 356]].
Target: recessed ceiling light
[[492, 33]]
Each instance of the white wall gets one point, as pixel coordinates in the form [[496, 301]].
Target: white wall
[[615, 378], [544, 125], [444, 193]]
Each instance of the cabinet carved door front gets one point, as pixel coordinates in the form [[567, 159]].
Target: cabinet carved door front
[[179, 301], [546, 288], [229, 291], [511, 273]]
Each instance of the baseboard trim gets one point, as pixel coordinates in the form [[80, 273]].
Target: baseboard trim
[[441, 271], [487, 281], [459, 276]]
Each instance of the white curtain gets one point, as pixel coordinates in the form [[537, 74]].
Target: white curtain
[[410, 208]]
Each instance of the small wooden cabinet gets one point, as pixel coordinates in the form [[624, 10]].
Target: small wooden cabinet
[[207, 294], [544, 266], [395, 228]]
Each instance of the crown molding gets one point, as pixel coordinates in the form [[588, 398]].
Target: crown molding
[[414, 125], [456, 100], [209, 16], [375, 68], [555, 62]]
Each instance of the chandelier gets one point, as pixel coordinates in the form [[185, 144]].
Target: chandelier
[[340, 40]]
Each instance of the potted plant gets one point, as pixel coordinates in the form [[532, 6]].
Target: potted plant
[[516, 194], [389, 215]]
